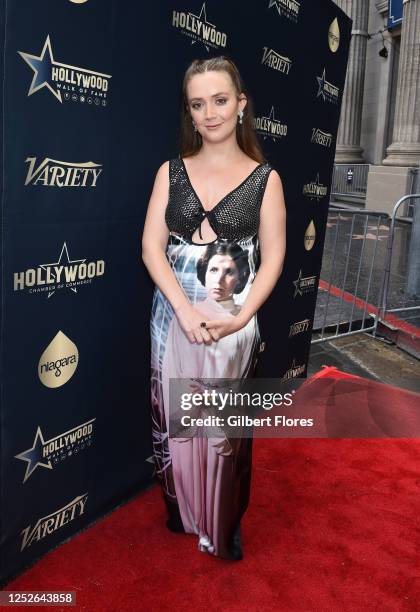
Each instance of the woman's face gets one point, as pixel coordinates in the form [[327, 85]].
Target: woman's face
[[213, 104], [221, 277]]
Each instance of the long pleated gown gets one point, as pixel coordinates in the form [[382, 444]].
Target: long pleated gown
[[206, 481]]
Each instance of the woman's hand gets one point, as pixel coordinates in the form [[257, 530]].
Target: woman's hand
[[190, 320], [219, 328]]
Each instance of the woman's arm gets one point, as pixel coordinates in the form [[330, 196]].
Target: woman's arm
[[154, 241], [272, 238]]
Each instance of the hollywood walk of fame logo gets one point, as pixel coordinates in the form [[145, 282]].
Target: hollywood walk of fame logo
[[47, 453], [57, 77], [328, 91]]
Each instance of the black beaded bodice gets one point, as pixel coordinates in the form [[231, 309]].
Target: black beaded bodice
[[235, 217]]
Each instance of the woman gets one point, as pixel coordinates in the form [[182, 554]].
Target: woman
[[206, 477], [219, 191]]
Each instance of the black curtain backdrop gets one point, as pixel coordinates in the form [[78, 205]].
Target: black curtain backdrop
[[91, 103]]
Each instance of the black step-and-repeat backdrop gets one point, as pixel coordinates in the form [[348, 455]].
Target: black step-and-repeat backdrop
[[92, 92]]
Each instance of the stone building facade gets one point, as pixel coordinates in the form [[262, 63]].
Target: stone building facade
[[380, 115]]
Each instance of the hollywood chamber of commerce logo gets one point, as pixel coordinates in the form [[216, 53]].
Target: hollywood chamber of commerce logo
[[327, 90], [54, 173], [293, 371], [65, 273], [47, 525], [315, 190], [322, 138], [298, 327], [274, 60], [58, 362], [65, 81], [334, 36], [47, 453], [304, 284], [286, 8], [270, 126], [199, 28]]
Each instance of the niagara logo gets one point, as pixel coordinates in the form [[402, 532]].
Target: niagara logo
[[334, 36], [57, 78], [58, 361]]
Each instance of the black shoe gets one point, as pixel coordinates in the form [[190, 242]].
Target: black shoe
[[175, 527], [235, 548], [174, 522]]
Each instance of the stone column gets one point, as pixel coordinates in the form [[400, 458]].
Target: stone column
[[348, 148], [405, 147]]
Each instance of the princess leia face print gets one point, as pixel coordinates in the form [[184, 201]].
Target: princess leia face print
[[222, 277]]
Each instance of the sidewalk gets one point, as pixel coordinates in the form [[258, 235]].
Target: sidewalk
[[369, 357]]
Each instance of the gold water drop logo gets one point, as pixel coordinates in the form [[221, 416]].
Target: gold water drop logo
[[58, 362], [309, 239], [334, 36]]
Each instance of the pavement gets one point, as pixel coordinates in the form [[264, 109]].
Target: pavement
[[369, 357], [350, 291]]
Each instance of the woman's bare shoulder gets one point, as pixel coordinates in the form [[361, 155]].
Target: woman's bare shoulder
[[163, 168], [274, 177]]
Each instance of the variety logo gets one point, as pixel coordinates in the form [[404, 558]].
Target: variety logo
[[309, 239], [322, 138], [328, 91], [58, 362], [334, 35], [45, 453], [50, 523], [274, 60], [299, 327], [293, 371], [54, 173], [286, 8], [304, 284], [199, 28], [65, 273], [78, 84], [315, 190], [270, 126]]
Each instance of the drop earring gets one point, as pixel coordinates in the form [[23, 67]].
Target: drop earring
[[240, 114], [195, 127]]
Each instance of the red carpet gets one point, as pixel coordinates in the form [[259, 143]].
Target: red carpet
[[332, 525]]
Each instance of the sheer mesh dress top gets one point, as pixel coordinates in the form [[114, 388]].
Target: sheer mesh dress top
[[235, 217]]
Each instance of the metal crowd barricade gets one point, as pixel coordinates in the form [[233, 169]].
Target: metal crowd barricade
[[401, 287], [352, 274]]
